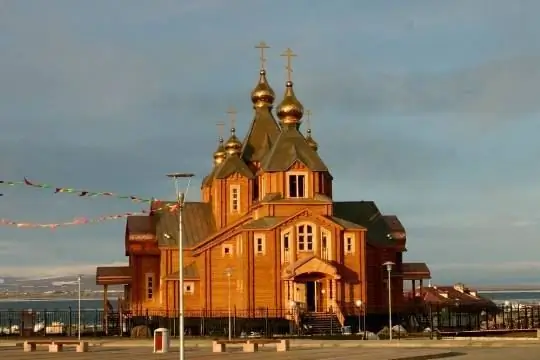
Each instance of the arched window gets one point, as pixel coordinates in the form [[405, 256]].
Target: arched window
[[305, 237]]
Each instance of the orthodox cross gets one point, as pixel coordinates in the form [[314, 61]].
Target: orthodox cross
[[262, 46], [221, 126], [232, 116], [289, 54], [308, 118]]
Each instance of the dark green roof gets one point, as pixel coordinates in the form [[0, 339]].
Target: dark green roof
[[264, 222], [345, 223], [262, 134], [232, 164], [291, 146], [207, 181], [197, 224], [366, 214], [190, 272]]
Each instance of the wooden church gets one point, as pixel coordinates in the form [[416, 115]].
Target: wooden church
[[267, 233]]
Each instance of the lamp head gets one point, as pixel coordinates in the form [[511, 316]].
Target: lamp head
[[358, 303], [388, 265], [167, 236]]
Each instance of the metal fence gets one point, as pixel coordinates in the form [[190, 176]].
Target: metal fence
[[264, 321]]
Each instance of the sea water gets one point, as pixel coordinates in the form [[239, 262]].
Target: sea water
[[53, 312]]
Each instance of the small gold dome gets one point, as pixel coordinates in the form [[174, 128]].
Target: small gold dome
[[220, 154], [290, 110], [233, 145], [311, 142], [262, 95]]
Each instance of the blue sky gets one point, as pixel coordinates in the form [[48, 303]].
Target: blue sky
[[428, 107]]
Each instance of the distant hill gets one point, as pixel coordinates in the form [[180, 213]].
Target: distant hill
[[41, 285]]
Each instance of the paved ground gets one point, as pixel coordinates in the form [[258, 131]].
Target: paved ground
[[203, 354], [526, 353]]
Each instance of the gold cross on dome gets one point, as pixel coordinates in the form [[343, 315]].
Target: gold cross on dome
[[232, 116], [262, 46], [221, 127], [289, 54], [308, 118]]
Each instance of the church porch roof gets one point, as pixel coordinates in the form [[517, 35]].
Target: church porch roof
[[191, 272], [197, 224]]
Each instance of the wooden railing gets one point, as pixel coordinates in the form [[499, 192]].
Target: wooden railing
[[337, 310]]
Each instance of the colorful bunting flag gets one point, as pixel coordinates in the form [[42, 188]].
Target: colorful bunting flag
[[156, 206], [79, 192], [82, 220]]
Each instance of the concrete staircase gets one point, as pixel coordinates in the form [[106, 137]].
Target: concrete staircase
[[322, 323]]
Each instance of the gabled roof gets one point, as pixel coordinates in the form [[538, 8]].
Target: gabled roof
[[207, 180], [415, 270], [197, 224], [367, 214], [291, 146], [190, 272], [232, 164], [270, 222], [262, 134], [140, 224]]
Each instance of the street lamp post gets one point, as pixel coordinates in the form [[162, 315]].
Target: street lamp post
[[388, 266], [180, 197], [292, 306], [228, 273], [79, 307], [361, 316]]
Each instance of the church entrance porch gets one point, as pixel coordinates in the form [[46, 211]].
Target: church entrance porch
[[311, 284]]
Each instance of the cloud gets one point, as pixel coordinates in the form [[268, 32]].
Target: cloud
[[111, 97], [491, 91]]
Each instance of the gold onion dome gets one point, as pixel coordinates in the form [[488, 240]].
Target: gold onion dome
[[233, 145], [220, 153], [262, 95], [290, 110], [311, 142]]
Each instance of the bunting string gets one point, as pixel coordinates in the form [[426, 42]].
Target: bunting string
[[84, 220], [156, 205], [79, 192]]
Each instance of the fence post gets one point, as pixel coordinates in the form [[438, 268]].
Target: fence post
[[70, 322], [96, 321], [266, 332], [44, 321]]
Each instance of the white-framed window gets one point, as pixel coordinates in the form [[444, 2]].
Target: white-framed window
[[296, 184], [260, 244], [349, 244], [235, 198], [226, 250], [149, 282], [325, 244], [305, 237], [189, 288]]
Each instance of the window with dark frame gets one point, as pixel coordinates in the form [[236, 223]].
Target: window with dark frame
[[149, 286], [297, 184], [349, 245], [324, 244], [255, 195], [260, 245]]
